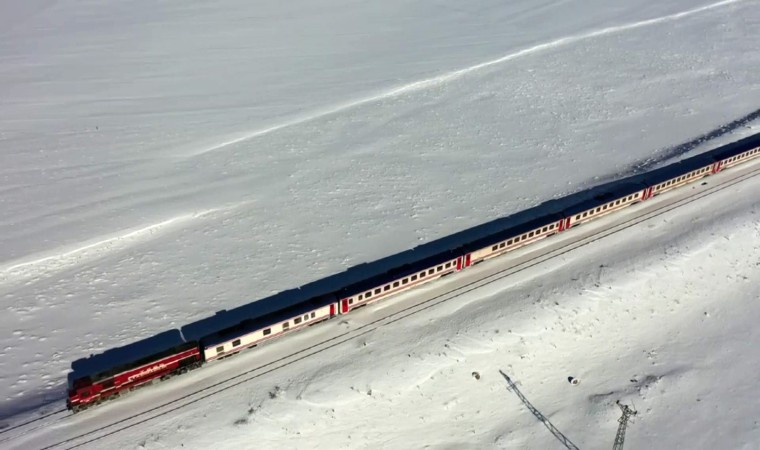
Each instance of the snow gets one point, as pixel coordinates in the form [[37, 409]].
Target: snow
[[163, 161]]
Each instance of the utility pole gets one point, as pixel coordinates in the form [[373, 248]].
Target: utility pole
[[623, 421]]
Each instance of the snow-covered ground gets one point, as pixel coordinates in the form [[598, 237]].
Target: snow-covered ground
[[160, 161]]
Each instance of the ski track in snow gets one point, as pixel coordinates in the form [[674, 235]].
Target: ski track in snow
[[69, 258], [451, 76]]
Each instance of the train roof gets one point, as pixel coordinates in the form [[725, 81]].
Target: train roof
[[705, 159], [255, 323], [737, 147], [512, 230], [600, 198], [399, 272], [111, 362]]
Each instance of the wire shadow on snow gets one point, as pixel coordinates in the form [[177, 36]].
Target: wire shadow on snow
[[678, 150], [558, 434]]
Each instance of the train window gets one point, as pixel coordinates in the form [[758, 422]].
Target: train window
[[396, 284], [297, 320], [387, 288], [267, 332], [286, 325], [377, 291], [551, 227], [414, 277], [448, 264], [405, 281], [305, 317], [431, 271], [360, 296], [440, 268], [220, 349], [530, 234], [313, 315], [577, 217], [502, 245], [545, 229], [368, 294], [494, 248], [350, 301], [236, 342]]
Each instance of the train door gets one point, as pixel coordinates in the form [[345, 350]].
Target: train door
[[332, 309], [467, 260], [716, 167], [344, 306], [564, 224], [459, 264]]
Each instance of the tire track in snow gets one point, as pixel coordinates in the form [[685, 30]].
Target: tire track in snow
[[65, 259], [451, 76]]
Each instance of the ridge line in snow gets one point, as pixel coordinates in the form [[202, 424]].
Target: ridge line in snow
[[451, 76], [64, 259]]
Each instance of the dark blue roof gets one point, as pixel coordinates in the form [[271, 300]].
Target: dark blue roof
[[737, 147], [117, 360], [399, 272], [671, 171], [257, 323], [657, 176], [511, 231], [600, 198]]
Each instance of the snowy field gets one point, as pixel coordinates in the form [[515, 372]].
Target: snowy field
[[160, 161]]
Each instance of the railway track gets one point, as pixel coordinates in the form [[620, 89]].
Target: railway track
[[541, 256]]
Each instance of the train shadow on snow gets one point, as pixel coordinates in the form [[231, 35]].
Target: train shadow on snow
[[227, 318], [676, 151]]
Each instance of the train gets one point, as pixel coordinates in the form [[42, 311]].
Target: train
[[123, 376]]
